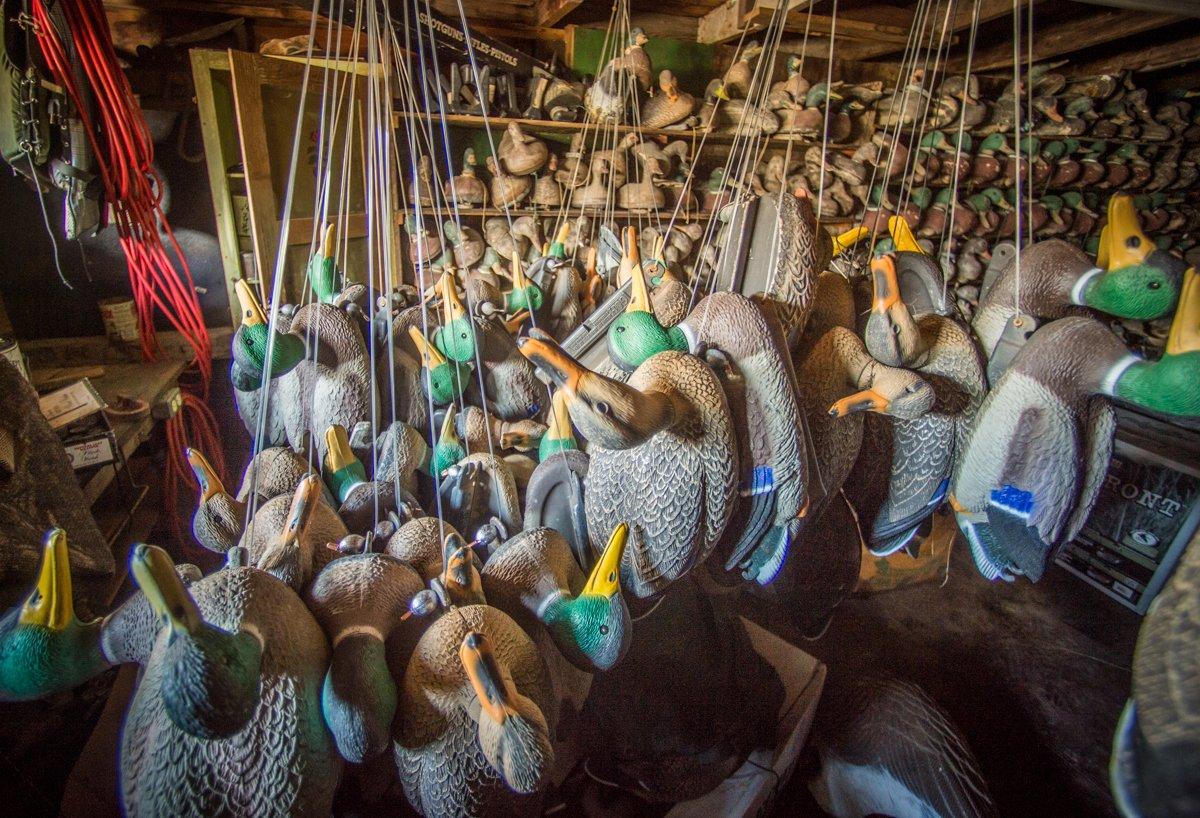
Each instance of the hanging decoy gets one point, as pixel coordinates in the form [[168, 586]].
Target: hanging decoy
[[477, 488], [471, 735], [251, 341], [670, 419], [1131, 279], [466, 188], [273, 471], [595, 194], [231, 677], [924, 450], [359, 600], [481, 431], [1036, 458], [670, 106], [419, 542], [287, 537], [420, 191], [886, 748], [218, 521], [362, 501]]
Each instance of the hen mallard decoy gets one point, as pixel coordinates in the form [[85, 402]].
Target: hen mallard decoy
[[231, 680], [218, 521], [735, 84], [886, 748], [251, 341], [667, 436], [924, 450], [669, 106], [1153, 770], [287, 536], [1036, 457], [507, 190], [359, 599], [273, 471], [522, 154], [471, 737], [1131, 278]]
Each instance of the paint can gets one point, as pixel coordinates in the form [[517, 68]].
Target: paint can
[[12, 353], [120, 322]]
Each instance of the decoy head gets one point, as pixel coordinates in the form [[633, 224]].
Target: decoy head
[[455, 338], [44, 648], [845, 240], [1133, 279], [637, 335], [210, 678], [594, 629], [444, 380], [289, 558], [793, 64], [668, 84], [524, 295], [902, 235], [891, 334], [210, 484], [253, 339], [513, 734], [1168, 385], [900, 393], [322, 267], [606, 412], [342, 468], [449, 449], [460, 576], [637, 36], [559, 436]]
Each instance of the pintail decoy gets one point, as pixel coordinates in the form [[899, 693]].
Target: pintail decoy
[[1035, 460], [471, 736], [926, 448], [666, 434], [218, 521], [1132, 278], [359, 599], [886, 748]]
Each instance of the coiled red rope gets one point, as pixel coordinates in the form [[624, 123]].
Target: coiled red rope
[[124, 155]]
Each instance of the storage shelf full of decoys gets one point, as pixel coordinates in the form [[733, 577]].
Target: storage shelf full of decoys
[[569, 407]]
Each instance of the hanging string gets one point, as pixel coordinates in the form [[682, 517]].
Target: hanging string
[[828, 105], [1016, 80], [948, 233]]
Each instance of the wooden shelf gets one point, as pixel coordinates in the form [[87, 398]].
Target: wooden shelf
[[664, 213]]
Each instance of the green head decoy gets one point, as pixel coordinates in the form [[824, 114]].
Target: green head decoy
[[524, 295], [253, 338], [455, 338], [1168, 385], [44, 648], [794, 64], [449, 448], [210, 677], [995, 143], [559, 436], [819, 94], [444, 380], [513, 734], [922, 197], [342, 468], [637, 335], [219, 518], [323, 274], [1133, 278], [593, 629]]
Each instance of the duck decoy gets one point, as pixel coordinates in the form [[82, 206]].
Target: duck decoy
[[231, 676], [904, 106], [1131, 279], [924, 450], [478, 488], [595, 194], [287, 537], [273, 471], [218, 521], [987, 167], [507, 189], [443, 380], [554, 493], [1035, 460], [670, 419], [790, 92], [670, 106], [467, 245], [322, 271], [255, 339], [735, 84], [424, 242], [419, 542], [521, 154], [466, 188], [421, 190], [453, 761], [1151, 771], [547, 190], [1066, 168], [362, 501], [359, 600], [886, 748], [1083, 219], [482, 432]]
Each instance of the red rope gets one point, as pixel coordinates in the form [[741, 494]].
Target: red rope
[[124, 154]]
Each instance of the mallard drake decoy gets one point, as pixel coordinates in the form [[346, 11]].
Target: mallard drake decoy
[[252, 339], [359, 599], [467, 188], [521, 154], [443, 380], [670, 419], [886, 748], [1036, 458], [925, 449], [507, 190], [287, 537], [452, 761], [232, 683], [218, 521], [669, 106], [323, 275], [789, 92], [363, 502], [1131, 279], [1151, 771]]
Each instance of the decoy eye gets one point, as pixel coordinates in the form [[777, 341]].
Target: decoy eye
[[603, 408], [1154, 285], [895, 329], [604, 630], [1133, 242], [620, 329]]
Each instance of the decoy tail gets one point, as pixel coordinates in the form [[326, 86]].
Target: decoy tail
[[762, 495], [1008, 513], [982, 542]]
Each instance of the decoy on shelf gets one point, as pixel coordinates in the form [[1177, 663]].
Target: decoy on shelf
[[466, 189], [521, 154]]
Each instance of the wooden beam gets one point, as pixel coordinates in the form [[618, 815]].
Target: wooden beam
[[988, 10], [728, 21], [549, 12], [1069, 36], [1153, 58], [722, 24]]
